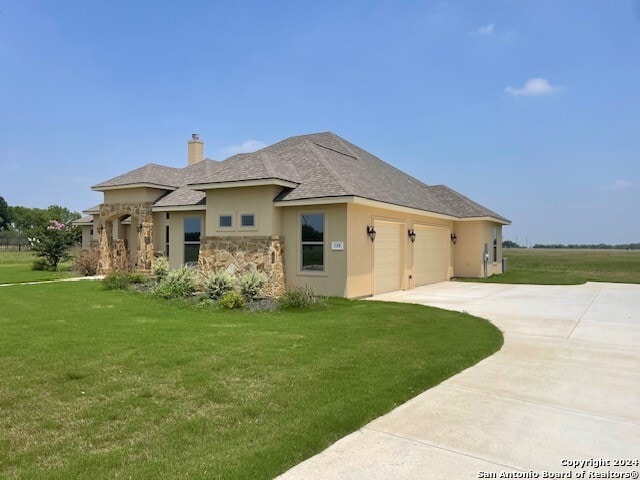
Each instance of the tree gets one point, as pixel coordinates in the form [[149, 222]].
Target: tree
[[510, 244], [53, 243], [5, 217]]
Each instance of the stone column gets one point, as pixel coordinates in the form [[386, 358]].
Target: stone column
[[145, 247], [105, 264]]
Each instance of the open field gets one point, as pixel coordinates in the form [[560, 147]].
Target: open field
[[569, 267], [106, 384], [15, 267]]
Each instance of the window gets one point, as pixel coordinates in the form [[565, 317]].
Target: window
[[312, 235], [167, 216], [495, 244], [247, 220], [191, 239], [225, 221], [91, 232], [166, 241]]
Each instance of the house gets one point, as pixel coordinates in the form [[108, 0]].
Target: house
[[310, 210]]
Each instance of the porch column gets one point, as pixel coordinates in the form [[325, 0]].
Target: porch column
[[145, 246], [105, 264]]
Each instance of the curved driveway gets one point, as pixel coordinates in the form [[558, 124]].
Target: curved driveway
[[565, 386]]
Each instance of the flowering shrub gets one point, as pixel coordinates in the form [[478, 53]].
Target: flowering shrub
[[53, 243]]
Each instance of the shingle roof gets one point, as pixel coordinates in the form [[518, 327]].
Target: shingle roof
[[84, 220], [94, 209], [321, 165], [150, 173], [183, 196]]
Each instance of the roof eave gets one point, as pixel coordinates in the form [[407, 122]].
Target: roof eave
[[100, 188], [243, 183]]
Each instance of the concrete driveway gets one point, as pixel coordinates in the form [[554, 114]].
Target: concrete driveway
[[565, 386]]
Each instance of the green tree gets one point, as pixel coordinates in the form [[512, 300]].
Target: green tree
[[5, 217], [54, 242]]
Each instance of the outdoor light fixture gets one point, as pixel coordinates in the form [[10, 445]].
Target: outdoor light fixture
[[100, 228], [371, 232], [412, 235], [139, 228], [454, 238]]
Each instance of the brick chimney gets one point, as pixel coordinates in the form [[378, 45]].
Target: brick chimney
[[195, 149]]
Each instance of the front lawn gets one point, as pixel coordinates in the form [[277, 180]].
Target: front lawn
[[15, 267], [568, 267], [103, 384]]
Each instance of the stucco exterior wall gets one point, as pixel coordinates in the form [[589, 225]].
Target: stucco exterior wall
[[176, 233], [333, 280], [86, 236], [469, 250], [360, 267], [133, 195], [257, 200]]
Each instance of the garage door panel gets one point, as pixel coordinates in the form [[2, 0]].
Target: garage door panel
[[387, 270], [431, 255]]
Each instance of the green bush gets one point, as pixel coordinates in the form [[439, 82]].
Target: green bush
[[301, 297], [159, 268], [231, 300], [251, 283], [122, 280], [40, 264], [219, 283], [178, 283]]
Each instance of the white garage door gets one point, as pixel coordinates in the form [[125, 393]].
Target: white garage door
[[431, 255], [387, 270]]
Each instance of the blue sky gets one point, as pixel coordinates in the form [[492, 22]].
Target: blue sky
[[531, 108]]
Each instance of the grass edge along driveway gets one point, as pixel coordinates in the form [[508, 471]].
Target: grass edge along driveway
[[101, 384]]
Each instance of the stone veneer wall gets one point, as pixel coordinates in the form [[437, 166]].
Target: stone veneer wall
[[111, 251], [240, 254]]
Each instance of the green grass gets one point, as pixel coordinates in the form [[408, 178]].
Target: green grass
[[102, 384], [15, 267], [569, 267]]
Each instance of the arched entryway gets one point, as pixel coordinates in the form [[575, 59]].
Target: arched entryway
[[126, 237]]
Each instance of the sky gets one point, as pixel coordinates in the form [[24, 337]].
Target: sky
[[531, 108]]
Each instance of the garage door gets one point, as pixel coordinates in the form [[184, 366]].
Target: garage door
[[387, 270], [431, 255]]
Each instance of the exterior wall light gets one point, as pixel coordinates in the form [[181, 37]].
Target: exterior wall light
[[100, 228], [412, 235], [371, 232], [139, 228], [454, 238]]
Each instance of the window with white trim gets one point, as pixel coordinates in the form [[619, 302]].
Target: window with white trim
[[247, 220], [225, 220], [312, 242]]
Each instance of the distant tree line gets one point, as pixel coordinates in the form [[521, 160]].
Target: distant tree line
[[18, 224], [590, 246]]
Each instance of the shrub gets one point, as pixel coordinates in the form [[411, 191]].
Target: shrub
[[301, 297], [219, 283], [53, 243], [251, 283], [118, 280], [86, 262], [178, 283], [40, 264], [231, 300], [160, 268]]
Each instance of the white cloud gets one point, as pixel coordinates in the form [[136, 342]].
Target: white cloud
[[489, 29], [246, 147], [534, 86], [620, 185]]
